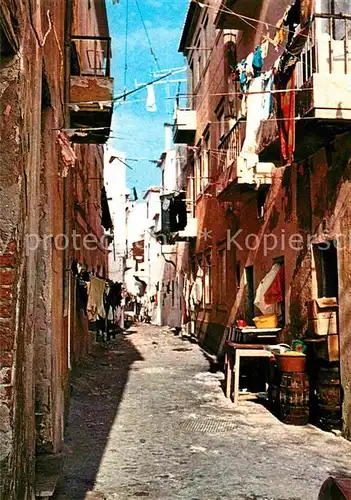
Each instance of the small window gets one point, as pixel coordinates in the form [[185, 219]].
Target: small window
[[206, 160], [221, 124], [198, 172], [326, 261], [208, 278], [222, 277]]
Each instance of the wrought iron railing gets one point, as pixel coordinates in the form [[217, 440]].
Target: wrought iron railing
[[90, 55], [229, 148], [328, 47]]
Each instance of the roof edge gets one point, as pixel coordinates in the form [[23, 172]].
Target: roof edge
[[192, 15]]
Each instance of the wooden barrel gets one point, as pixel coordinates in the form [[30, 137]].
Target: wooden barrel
[[328, 398], [294, 398]]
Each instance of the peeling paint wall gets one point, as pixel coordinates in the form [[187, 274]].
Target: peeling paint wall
[[36, 214], [31, 399]]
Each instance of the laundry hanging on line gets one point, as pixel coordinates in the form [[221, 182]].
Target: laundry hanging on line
[[265, 284], [95, 307], [151, 99]]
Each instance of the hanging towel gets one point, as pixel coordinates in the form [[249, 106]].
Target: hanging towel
[[95, 306], [280, 33], [267, 99], [275, 292], [151, 99], [286, 118], [253, 120], [265, 47], [249, 66]]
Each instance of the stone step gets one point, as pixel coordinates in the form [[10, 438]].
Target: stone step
[[47, 471]]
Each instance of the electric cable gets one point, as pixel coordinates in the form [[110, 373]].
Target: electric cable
[[126, 46], [147, 36]]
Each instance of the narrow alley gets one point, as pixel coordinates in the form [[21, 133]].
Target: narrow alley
[[148, 418]]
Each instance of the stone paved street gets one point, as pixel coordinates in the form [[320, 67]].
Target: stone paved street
[[149, 419]]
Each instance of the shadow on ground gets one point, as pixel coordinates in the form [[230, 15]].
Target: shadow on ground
[[97, 391]]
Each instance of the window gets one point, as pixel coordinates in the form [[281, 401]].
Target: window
[[221, 124], [198, 62], [206, 40], [250, 294], [337, 28], [206, 160], [222, 276], [198, 173], [191, 85], [326, 262], [192, 194], [208, 278]]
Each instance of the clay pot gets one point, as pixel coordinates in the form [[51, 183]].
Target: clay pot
[[291, 362]]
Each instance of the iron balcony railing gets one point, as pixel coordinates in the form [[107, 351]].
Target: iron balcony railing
[[90, 55], [229, 148], [328, 47]]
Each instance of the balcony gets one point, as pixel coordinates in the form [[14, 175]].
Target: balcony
[[240, 174], [243, 176], [185, 123], [91, 89], [323, 77]]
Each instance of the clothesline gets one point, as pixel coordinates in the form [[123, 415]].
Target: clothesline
[[278, 91], [298, 118], [245, 19], [184, 94], [227, 10]]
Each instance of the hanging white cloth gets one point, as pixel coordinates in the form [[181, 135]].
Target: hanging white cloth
[[267, 86], [253, 120], [151, 99], [262, 289], [197, 288]]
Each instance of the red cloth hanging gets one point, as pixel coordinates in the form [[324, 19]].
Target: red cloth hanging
[[275, 292], [286, 118]]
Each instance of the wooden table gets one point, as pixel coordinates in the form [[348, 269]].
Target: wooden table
[[232, 364]]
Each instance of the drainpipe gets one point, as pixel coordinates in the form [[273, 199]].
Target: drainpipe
[[167, 260]]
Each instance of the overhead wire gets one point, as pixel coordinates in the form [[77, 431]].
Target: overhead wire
[[227, 10], [125, 94], [126, 46], [245, 19], [147, 36]]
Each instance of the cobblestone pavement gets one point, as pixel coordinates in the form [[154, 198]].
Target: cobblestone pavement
[[149, 419]]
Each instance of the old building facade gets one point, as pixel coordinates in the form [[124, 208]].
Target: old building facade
[[51, 198], [271, 176]]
